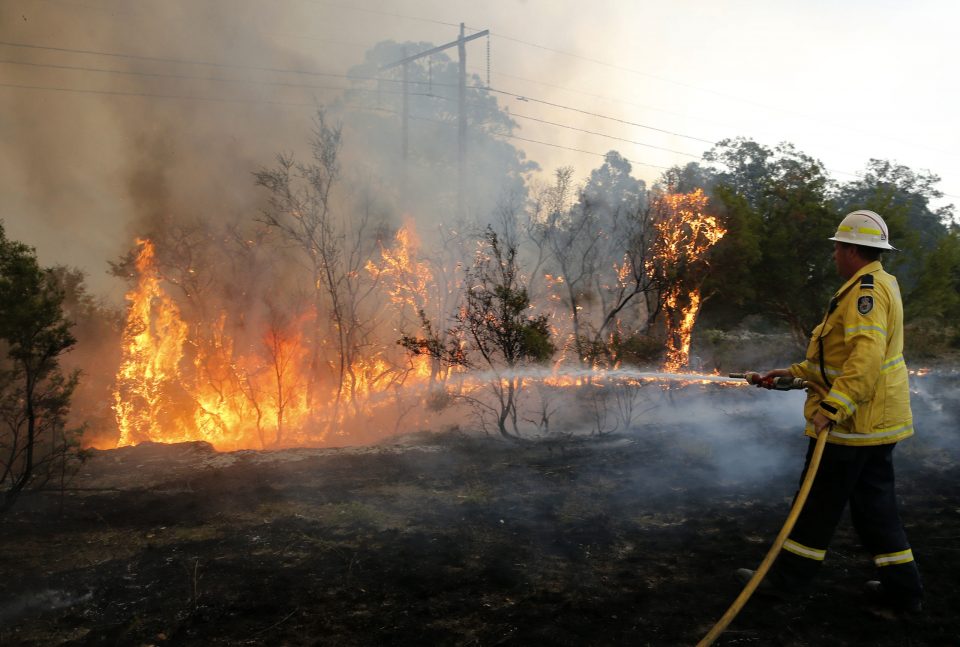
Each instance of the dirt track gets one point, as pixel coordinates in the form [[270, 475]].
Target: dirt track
[[448, 540]]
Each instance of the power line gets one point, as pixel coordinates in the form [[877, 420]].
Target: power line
[[709, 91], [599, 62], [507, 136], [577, 150], [309, 105], [184, 61], [333, 88], [179, 61], [591, 132], [153, 95], [584, 58], [333, 75], [82, 68], [606, 98], [594, 114], [218, 79]]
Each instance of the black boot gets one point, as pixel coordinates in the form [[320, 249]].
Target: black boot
[[886, 604]]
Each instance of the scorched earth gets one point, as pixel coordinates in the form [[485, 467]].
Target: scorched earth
[[457, 538]]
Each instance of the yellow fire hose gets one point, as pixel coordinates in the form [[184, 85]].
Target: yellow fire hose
[[767, 562]]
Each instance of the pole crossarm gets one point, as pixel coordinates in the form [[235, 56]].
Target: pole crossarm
[[439, 48]]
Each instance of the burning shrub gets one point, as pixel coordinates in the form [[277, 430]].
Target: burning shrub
[[492, 331]]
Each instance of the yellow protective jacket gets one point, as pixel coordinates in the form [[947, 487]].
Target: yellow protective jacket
[[861, 340]]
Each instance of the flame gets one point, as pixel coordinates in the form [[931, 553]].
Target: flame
[[406, 280], [182, 382], [685, 234], [232, 401], [250, 385], [153, 341]]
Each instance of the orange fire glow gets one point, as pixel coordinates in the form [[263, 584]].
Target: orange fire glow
[[182, 378], [180, 382], [232, 401], [686, 233]]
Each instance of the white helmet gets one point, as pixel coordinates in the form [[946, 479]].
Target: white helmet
[[865, 228]]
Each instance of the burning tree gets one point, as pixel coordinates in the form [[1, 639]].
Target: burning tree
[[593, 242], [493, 331], [679, 266], [618, 260], [337, 249], [35, 443]]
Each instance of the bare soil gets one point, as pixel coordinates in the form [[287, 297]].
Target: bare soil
[[447, 539]]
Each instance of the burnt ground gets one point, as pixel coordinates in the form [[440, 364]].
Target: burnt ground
[[447, 539]]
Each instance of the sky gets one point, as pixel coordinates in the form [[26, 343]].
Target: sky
[[108, 122]]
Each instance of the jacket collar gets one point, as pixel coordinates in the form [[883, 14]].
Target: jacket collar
[[870, 268]]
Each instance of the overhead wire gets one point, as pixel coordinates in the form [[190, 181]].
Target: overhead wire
[[592, 132], [325, 74], [594, 114], [160, 59], [152, 95], [187, 61]]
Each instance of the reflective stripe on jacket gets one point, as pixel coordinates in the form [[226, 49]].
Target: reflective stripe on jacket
[[862, 337]]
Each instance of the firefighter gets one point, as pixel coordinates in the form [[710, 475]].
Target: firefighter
[[856, 355]]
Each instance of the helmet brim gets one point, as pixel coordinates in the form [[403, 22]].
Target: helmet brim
[[862, 243]]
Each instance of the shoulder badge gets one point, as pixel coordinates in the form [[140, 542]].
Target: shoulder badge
[[866, 282], [864, 304]]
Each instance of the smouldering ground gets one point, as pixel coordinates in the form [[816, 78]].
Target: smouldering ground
[[630, 539]]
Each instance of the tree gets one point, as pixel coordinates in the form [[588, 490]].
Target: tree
[[782, 196], [679, 265], [493, 330], [903, 197], [937, 292], [34, 394], [336, 247], [98, 328], [595, 241], [611, 189], [425, 180], [734, 260]]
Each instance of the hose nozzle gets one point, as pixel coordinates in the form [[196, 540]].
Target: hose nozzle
[[775, 383]]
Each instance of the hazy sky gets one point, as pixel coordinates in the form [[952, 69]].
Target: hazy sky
[[98, 135]]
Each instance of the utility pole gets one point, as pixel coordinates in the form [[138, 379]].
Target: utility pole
[[460, 44], [462, 128], [406, 107]]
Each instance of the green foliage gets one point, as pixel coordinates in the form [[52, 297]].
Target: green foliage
[[777, 199], [937, 291], [492, 330], [731, 285], [633, 349], [611, 189], [34, 394], [779, 209], [902, 196]]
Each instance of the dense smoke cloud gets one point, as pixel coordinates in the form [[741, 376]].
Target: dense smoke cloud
[[86, 172]]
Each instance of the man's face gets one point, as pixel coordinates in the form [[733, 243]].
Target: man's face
[[843, 256]]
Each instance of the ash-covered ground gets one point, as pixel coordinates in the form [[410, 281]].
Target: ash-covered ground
[[461, 539]]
